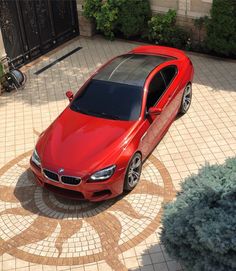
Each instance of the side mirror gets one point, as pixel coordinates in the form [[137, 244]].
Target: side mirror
[[154, 111], [70, 95]]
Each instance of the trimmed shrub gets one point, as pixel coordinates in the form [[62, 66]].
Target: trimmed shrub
[[128, 17], [199, 228], [163, 30], [221, 28]]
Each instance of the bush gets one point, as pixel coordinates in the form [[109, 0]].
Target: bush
[[1, 70], [199, 227], [106, 18], [221, 28], [163, 30], [133, 17], [91, 8], [126, 16]]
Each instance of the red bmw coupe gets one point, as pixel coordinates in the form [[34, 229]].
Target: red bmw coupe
[[95, 149]]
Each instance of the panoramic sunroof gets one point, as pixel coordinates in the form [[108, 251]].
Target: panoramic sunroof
[[131, 69]]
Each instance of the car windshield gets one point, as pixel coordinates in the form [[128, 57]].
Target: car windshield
[[109, 100]]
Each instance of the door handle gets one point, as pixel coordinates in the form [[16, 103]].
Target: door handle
[[143, 136]]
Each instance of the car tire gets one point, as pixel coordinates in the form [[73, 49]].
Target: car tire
[[186, 100], [133, 172]]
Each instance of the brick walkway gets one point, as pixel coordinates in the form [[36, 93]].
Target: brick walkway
[[40, 231]]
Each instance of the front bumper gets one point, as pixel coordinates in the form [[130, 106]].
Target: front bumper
[[96, 191]]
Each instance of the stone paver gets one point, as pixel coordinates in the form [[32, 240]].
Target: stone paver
[[41, 231]]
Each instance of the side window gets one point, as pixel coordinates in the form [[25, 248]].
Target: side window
[[156, 89], [169, 73]]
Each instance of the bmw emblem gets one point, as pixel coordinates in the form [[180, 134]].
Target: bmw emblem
[[61, 170]]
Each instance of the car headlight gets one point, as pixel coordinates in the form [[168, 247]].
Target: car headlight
[[36, 159], [103, 174]]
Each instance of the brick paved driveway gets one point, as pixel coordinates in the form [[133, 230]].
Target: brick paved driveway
[[41, 231]]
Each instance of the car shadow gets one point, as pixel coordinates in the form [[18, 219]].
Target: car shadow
[[38, 200]]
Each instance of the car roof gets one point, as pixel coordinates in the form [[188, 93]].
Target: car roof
[[131, 69]]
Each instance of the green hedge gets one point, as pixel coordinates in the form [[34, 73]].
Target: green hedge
[[128, 17], [221, 28], [199, 228]]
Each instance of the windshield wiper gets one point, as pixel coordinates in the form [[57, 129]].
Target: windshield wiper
[[98, 114], [105, 115], [81, 111]]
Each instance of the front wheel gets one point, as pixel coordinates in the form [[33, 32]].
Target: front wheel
[[133, 172], [186, 100]]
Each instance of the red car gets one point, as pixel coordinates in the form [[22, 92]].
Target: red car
[[95, 149]]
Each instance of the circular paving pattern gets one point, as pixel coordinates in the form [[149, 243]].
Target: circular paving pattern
[[38, 226]]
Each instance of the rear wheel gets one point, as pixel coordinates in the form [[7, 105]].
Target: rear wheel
[[186, 100], [133, 172]]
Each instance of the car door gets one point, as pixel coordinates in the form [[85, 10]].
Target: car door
[[160, 95], [172, 96]]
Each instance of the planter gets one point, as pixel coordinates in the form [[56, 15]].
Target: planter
[[86, 27]]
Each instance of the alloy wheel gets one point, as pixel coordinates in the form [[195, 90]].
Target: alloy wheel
[[187, 97], [134, 171]]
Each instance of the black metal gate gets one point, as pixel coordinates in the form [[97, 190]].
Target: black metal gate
[[31, 28]]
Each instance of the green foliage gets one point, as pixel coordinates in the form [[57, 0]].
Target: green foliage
[[161, 23], [133, 17], [1, 70], [92, 8], [106, 18], [199, 227], [163, 30], [126, 16], [221, 28]]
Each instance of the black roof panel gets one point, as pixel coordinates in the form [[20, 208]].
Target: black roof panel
[[131, 69]]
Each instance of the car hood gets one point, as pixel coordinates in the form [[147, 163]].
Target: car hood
[[81, 143]]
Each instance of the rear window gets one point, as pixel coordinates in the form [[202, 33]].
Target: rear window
[[169, 73]]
